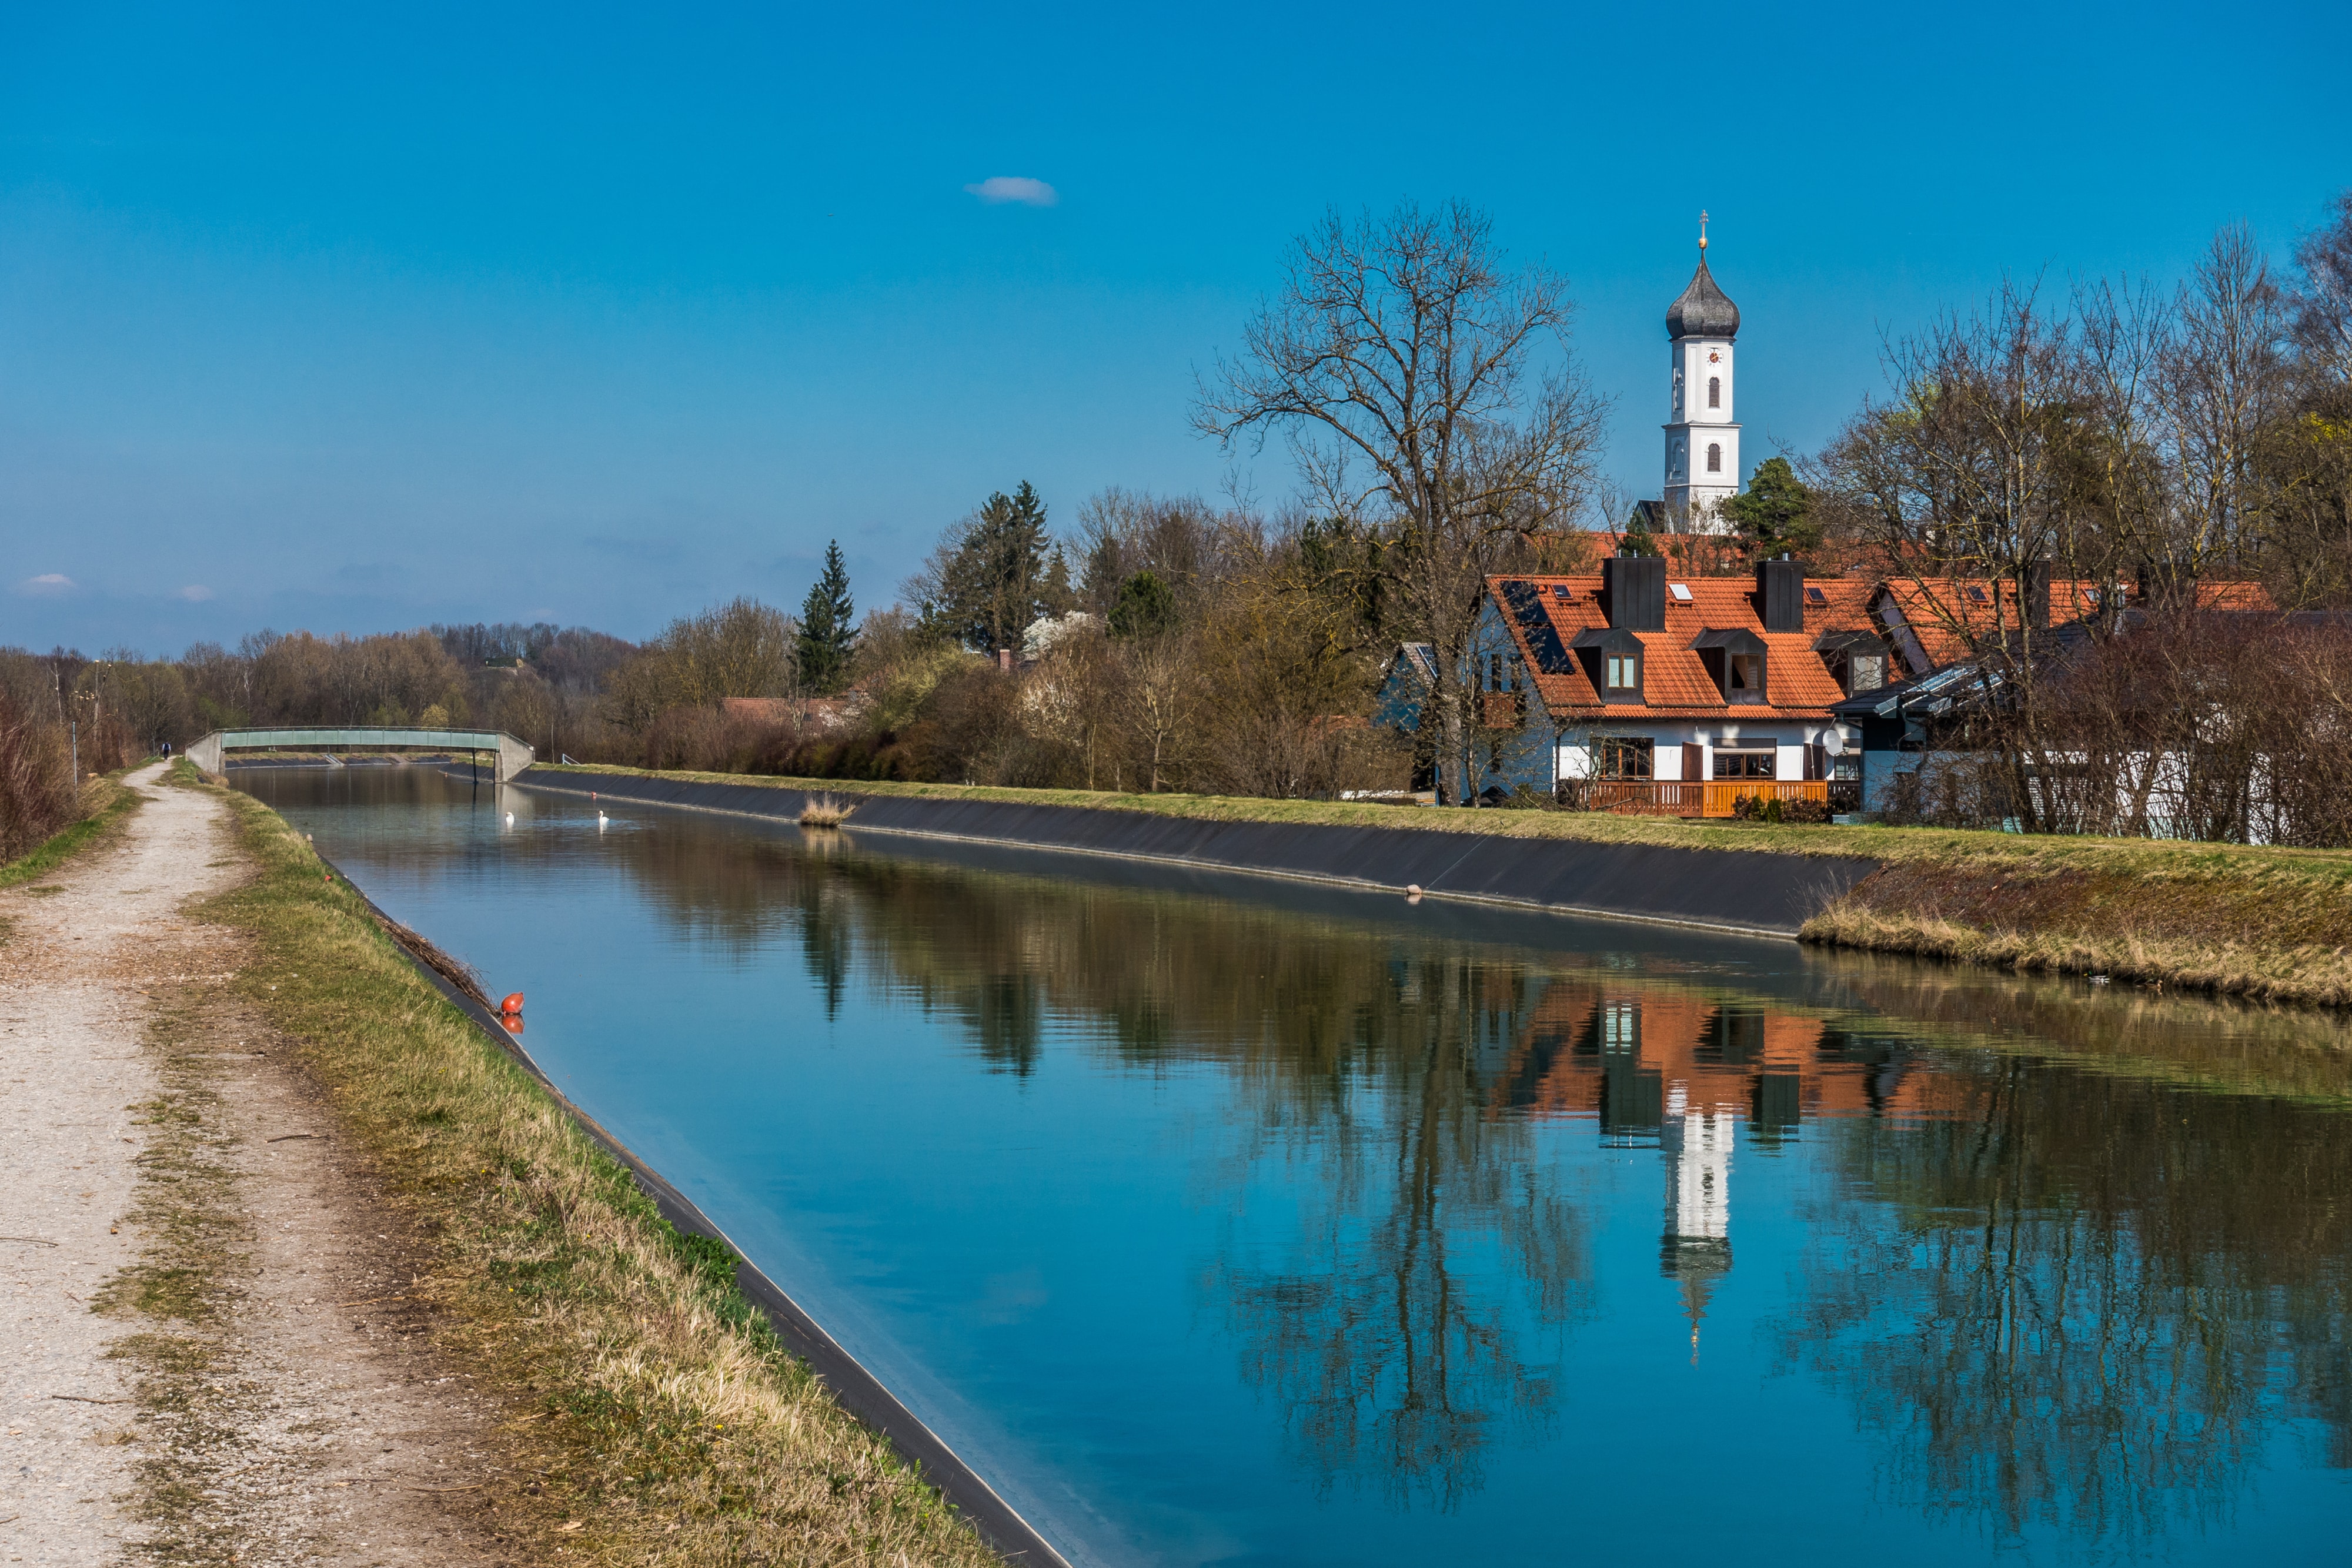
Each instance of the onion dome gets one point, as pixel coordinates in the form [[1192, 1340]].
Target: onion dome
[[1704, 311]]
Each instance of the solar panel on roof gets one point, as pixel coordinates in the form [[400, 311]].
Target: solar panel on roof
[[1551, 655]]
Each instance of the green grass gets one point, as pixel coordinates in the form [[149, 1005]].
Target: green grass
[[661, 1410], [2263, 921]]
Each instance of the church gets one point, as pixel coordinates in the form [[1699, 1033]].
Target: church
[[1702, 432], [1644, 688]]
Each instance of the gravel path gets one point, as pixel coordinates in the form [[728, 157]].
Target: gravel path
[[210, 1352]]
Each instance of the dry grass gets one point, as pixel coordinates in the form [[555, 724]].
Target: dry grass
[[104, 803], [669, 1418], [825, 811], [2248, 920]]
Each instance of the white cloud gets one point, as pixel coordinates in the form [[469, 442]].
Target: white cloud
[[48, 585], [999, 189], [195, 594]]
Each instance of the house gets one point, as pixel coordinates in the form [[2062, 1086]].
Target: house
[[1634, 691], [803, 716], [1935, 626]]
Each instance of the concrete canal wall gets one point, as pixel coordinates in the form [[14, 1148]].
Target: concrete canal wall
[[1722, 890]]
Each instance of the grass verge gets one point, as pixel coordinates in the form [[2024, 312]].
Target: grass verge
[[2267, 923], [671, 1427]]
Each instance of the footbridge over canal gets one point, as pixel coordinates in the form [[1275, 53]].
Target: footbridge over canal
[[210, 753]]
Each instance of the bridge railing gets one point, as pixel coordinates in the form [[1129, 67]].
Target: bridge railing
[[210, 753]]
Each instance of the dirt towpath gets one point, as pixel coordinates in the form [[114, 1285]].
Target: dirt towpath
[[208, 1354]]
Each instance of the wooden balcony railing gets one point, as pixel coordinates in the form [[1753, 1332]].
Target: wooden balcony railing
[[1698, 798]]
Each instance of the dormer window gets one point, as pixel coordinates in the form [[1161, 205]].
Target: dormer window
[[1713, 393], [1714, 457], [1735, 660], [1858, 660], [1612, 657]]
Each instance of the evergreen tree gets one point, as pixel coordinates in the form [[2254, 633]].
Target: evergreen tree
[[828, 628], [990, 579], [1775, 514], [1145, 608]]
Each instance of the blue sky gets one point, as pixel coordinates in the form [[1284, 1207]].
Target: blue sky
[[312, 317]]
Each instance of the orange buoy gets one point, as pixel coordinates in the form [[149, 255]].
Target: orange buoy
[[512, 1006]]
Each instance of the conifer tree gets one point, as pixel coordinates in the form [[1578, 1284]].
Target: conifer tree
[[828, 628], [1775, 514], [990, 578]]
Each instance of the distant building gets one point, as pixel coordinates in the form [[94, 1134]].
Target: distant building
[[1636, 691], [1702, 436]]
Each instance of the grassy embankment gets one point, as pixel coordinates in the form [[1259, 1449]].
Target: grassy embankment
[[667, 1425], [2270, 923]]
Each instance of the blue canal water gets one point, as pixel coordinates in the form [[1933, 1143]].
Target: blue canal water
[[1225, 1220]]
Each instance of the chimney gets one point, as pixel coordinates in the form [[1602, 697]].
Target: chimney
[[1780, 594], [2037, 596], [1004, 660], [1633, 593]]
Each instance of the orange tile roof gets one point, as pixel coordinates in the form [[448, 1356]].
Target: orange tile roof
[[1675, 683], [1946, 612]]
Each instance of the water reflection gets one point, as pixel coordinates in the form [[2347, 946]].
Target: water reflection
[[2087, 1305], [2071, 1264]]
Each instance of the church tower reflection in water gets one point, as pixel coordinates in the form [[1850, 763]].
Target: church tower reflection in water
[[1696, 1248], [1690, 1073]]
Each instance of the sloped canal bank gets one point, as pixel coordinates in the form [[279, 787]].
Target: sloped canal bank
[[1221, 1220]]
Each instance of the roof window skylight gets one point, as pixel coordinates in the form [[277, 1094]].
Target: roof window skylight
[[1681, 590], [1561, 590], [1815, 596]]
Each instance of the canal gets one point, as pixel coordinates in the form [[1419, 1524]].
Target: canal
[[1218, 1219]]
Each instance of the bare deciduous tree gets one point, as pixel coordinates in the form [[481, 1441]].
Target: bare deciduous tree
[[1403, 362]]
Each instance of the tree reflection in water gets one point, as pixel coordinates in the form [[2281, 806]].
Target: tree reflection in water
[[2059, 1292], [1389, 1362], [2076, 1308], [1372, 1058]]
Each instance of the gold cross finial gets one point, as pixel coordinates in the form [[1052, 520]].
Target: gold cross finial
[[1702, 228]]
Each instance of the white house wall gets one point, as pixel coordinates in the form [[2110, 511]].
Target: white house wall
[[1574, 756]]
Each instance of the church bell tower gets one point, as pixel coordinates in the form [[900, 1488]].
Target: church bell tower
[[1702, 436]]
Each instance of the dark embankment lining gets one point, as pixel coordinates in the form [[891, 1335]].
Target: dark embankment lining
[[857, 1390], [1737, 891]]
